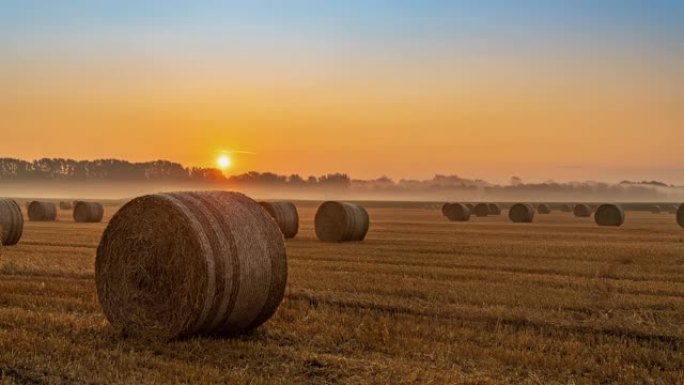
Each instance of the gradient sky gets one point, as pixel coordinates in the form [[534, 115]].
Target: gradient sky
[[563, 90]]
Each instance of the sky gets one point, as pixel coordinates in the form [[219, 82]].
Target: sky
[[544, 90]]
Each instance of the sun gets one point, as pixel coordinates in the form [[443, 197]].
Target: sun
[[223, 162]]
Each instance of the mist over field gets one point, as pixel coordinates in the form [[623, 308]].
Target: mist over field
[[355, 190]]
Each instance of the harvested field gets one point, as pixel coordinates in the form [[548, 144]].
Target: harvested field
[[422, 300]]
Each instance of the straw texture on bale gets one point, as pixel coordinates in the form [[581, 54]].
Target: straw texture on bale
[[494, 209], [458, 212], [543, 208], [521, 213], [65, 205], [680, 216], [481, 210], [88, 212], [175, 265], [341, 222], [42, 211], [11, 222], [582, 211], [609, 215], [286, 216]]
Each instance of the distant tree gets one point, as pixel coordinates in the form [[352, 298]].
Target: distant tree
[[336, 179], [296, 180]]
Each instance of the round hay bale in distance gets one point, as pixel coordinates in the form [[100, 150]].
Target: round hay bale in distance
[[680, 216], [481, 210], [341, 222], [175, 265], [286, 216], [582, 210], [88, 212], [543, 208], [609, 215], [458, 212], [494, 209], [42, 211], [66, 205], [445, 207], [11, 222], [521, 213]]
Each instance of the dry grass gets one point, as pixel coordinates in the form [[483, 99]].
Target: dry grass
[[422, 300]]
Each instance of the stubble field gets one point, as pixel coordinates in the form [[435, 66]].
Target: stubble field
[[422, 300]]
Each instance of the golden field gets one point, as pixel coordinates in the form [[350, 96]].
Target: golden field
[[422, 301]]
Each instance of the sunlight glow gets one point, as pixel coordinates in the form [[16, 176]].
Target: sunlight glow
[[223, 162]]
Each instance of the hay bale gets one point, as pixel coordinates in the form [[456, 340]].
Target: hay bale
[[481, 210], [458, 212], [65, 205], [494, 209], [543, 208], [582, 210], [286, 216], [445, 207], [609, 215], [175, 265], [88, 212], [680, 216], [341, 222], [11, 222], [521, 213], [42, 211]]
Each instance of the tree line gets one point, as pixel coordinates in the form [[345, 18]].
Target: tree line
[[158, 170], [162, 170]]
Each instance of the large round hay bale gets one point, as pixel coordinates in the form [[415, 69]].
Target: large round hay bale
[[42, 211], [286, 216], [543, 208], [88, 212], [609, 215], [66, 205], [481, 210], [494, 209], [582, 210], [458, 212], [341, 222], [680, 215], [191, 263], [11, 222], [521, 213]]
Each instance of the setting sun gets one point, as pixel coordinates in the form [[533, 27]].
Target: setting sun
[[223, 162]]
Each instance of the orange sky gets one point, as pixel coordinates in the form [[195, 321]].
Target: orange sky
[[405, 110]]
